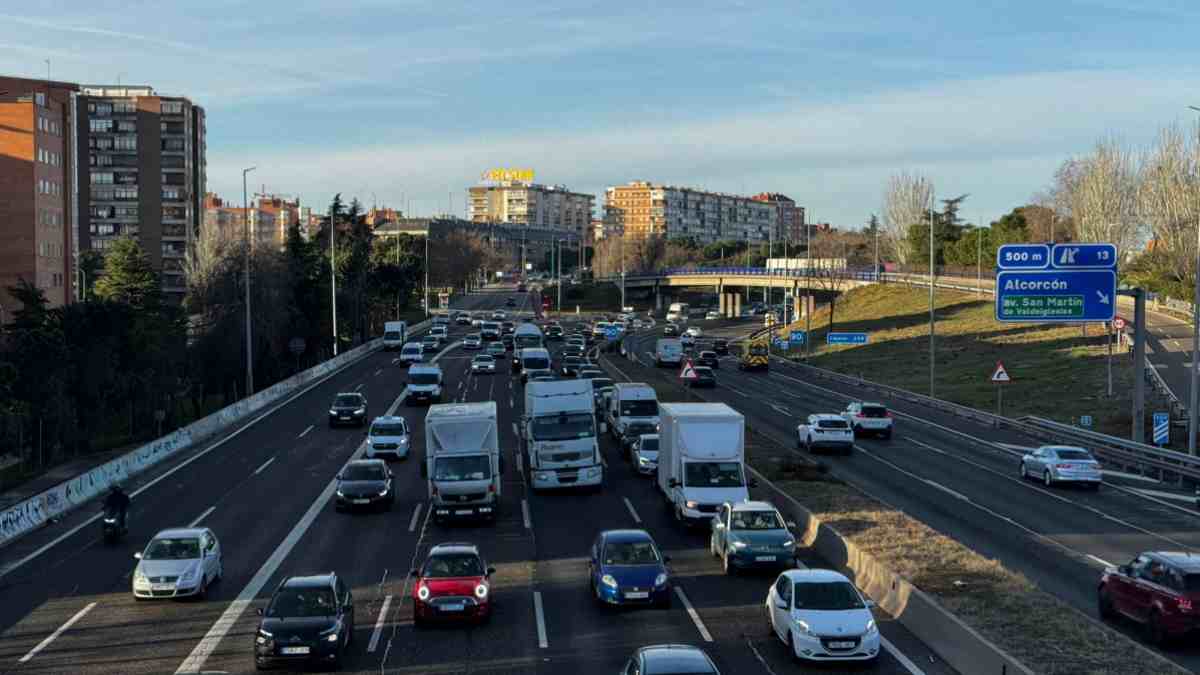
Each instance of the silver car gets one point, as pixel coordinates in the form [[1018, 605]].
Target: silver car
[[178, 563], [1062, 464], [483, 363], [388, 437]]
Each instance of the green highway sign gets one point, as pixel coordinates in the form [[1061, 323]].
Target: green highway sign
[[1042, 306]]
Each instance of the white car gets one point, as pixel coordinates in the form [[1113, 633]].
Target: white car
[[829, 431], [478, 319], [178, 563], [866, 417], [638, 324], [821, 616], [712, 314], [440, 333], [388, 436], [483, 363], [1062, 464], [693, 331], [473, 341]]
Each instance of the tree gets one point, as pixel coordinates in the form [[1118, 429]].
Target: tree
[[1100, 191], [906, 202], [128, 276], [1168, 184], [91, 263]]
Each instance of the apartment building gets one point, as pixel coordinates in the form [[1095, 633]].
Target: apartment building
[[36, 164], [642, 209], [270, 218], [537, 207], [791, 217], [144, 174]]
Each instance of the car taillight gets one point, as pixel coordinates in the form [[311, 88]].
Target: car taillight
[[1185, 604], [491, 488], [860, 416], [887, 414]]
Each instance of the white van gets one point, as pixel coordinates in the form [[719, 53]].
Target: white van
[[411, 353], [424, 384], [668, 352], [394, 334], [678, 311]]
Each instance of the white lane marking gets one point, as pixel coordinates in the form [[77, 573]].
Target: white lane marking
[[525, 514], [952, 493], [1130, 476], [378, 372], [360, 386], [694, 614], [899, 656], [395, 361], [761, 661], [53, 636], [263, 466], [387, 602], [737, 391], [412, 524], [305, 432], [1190, 499], [632, 511], [543, 643], [1102, 561], [202, 516], [520, 468], [780, 409]]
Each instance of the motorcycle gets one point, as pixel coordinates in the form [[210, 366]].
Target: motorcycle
[[113, 529]]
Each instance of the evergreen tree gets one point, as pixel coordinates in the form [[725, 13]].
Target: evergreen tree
[[128, 276]]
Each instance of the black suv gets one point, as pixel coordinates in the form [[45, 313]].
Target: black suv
[[721, 347], [348, 408], [309, 620], [708, 358]]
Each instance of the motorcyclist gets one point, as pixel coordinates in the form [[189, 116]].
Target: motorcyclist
[[118, 501]]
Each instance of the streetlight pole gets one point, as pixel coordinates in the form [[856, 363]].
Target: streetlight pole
[[558, 305], [931, 313], [809, 305], [333, 272], [876, 275], [428, 232], [246, 284], [979, 260], [1195, 371]]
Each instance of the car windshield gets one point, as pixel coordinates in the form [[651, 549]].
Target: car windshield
[[630, 553], [392, 335], [535, 362], [484, 358], [649, 445], [347, 401], [640, 429], [713, 474], [411, 349], [449, 565], [644, 408], [172, 549], [832, 424], [491, 326], [1074, 454], [563, 427], [571, 361], [474, 467], [423, 378], [708, 355], [302, 602], [827, 596], [874, 411], [756, 520], [363, 472], [388, 429]]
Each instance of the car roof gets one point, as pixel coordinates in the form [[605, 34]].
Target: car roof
[[1181, 559], [367, 462], [874, 403], [180, 532], [387, 419], [309, 581], [752, 506], [451, 547], [670, 658], [1063, 447], [483, 356], [626, 535], [814, 575], [349, 393], [706, 351], [826, 416], [645, 436]]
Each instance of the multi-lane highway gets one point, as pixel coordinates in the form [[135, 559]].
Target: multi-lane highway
[[264, 490], [961, 478]]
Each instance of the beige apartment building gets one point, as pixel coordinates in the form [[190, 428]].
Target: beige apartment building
[[642, 209], [270, 218], [537, 207]]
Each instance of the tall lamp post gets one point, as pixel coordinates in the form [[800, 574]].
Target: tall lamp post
[[246, 284], [1195, 371], [333, 272], [931, 314]]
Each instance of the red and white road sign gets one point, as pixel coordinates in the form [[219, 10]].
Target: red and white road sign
[[1000, 375], [688, 372], [1119, 323]]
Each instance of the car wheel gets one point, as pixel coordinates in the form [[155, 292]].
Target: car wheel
[[727, 568], [1155, 634], [1024, 473], [202, 594], [791, 645], [1046, 479], [1104, 604]]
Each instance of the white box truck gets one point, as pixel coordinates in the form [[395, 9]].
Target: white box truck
[[630, 402], [559, 431], [463, 463], [701, 455], [394, 334]]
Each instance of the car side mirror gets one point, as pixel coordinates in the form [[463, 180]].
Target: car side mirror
[[490, 571], [390, 474], [871, 604], [137, 556], [258, 611]]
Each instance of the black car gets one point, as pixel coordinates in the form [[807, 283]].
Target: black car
[[508, 328], [570, 366], [721, 347], [554, 332], [633, 431], [365, 483], [507, 341], [510, 303], [670, 329], [309, 620], [705, 377], [708, 358], [670, 659], [573, 350], [348, 408]]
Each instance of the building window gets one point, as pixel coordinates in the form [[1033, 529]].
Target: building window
[[124, 107], [126, 126], [40, 99], [102, 178], [125, 143], [125, 193], [100, 126], [103, 109], [172, 107]]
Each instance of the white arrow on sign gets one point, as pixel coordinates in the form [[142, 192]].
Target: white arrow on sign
[[1103, 298], [1068, 256]]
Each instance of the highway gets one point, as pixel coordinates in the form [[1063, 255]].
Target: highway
[[264, 491], [950, 474]]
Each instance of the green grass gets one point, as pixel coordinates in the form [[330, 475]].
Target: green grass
[[1056, 371]]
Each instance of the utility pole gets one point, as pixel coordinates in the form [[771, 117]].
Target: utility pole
[[428, 233], [979, 260], [931, 313], [1195, 369], [333, 272], [246, 283]]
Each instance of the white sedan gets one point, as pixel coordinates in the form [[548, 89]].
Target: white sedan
[[178, 563], [473, 341], [483, 363], [830, 431], [693, 331], [821, 616], [712, 314], [1062, 464]]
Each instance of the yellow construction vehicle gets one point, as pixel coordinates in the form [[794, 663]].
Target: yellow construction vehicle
[[755, 352]]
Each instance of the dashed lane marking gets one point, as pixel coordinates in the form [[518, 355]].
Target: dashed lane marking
[[387, 602], [305, 432], [262, 466], [525, 514], [54, 636], [632, 511], [687, 604], [202, 516], [543, 643], [412, 524]]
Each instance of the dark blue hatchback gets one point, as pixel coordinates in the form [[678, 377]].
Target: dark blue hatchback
[[626, 568]]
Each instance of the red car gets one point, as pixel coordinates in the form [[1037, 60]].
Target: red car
[[1159, 590], [452, 585]]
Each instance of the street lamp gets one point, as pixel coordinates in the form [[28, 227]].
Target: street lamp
[[246, 283], [333, 273], [1195, 374]]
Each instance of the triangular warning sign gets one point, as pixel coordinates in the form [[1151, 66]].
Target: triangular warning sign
[[1001, 375], [688, 372]]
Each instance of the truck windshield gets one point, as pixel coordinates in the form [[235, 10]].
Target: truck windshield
[[639, 408], [564, 427], [392, 335], [713, 474], [758, 350], [423, 378], [535, 363], [472, 467]]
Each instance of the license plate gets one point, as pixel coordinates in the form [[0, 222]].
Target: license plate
[[463, 512], [343, 417], [454, 608], [841, 645], [765, 558], [638, 595], [362, 501], [163, 587], [293, 650]]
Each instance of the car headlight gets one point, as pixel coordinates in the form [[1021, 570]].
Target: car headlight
[[190, 574], [642, 460], [264, 637], [404, 441], [383, 492], [804, 628], [871, 627], [341, 494], [481, 591], [332, 411], [660, 579], [138, 577], [790, 543], [360, 411], [423, 592], [331, 634], [608, 580], [738, 544], [691, 504]]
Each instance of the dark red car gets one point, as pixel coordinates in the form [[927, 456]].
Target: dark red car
[[1159, 590], [452, 585]]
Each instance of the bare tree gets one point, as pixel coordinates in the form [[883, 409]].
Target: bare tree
[[1166, 197], [1101, 191], [905, 202]]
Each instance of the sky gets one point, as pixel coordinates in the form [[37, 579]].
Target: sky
[[405, 103]]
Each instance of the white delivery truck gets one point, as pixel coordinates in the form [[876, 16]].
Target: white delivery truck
[[701, 454], [559, 431], [630, 402], [463, 463], [668, 352], [394, 334]]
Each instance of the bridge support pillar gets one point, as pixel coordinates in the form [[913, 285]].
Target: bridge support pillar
[[737, 304], [721, 298], [657, 298]]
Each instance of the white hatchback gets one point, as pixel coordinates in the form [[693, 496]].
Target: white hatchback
[[388, 437], [821, 616], [178, 563]]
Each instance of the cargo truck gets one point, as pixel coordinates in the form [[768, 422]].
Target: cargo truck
[[463, 463], [394, 334], [701, 455], [559, 432]]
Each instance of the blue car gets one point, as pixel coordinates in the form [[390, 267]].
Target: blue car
[[626, 568]]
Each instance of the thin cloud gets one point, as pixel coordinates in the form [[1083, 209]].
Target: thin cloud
[[92, 30]]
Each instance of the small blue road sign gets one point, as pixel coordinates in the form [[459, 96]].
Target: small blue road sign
[[1084, 256], [782, 343], [797, 336], [1023, 257], [1162, 428], [1085, 421], [612, 332], [846, 338]]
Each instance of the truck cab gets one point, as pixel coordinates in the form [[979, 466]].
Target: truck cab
[[559, 432], [463, 463], [755, 355]]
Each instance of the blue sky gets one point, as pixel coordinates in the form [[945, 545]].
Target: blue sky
[[386, 99]]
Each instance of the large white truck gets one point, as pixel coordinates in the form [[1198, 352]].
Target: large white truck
[[678, 311], [701, 459], [559, 431], [463, 463], [394, 334], [630, 402]]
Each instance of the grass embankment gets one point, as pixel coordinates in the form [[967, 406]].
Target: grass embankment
[[1041, 631], [1056, 371]]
